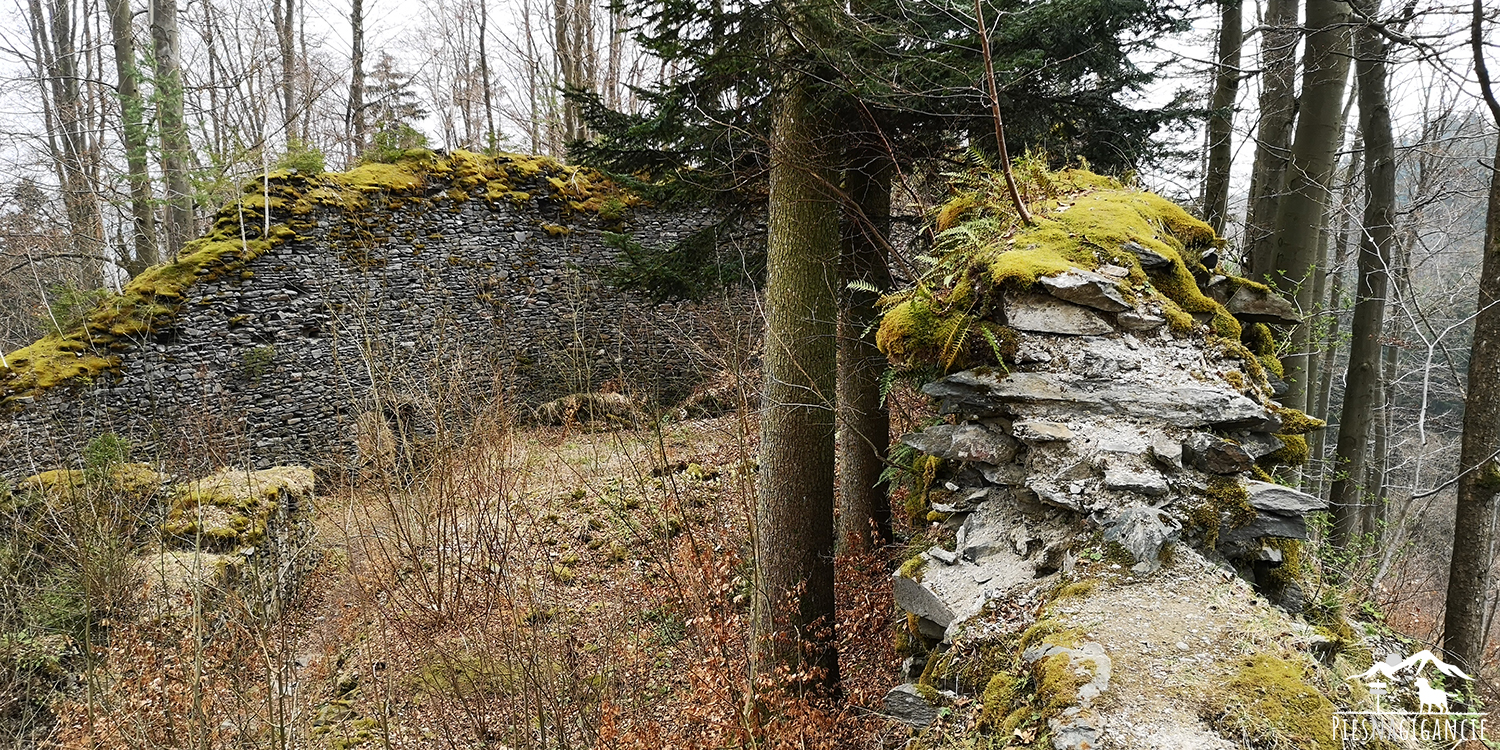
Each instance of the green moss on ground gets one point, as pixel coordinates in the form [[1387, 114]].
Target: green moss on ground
[[1270, 703], [77, 355]]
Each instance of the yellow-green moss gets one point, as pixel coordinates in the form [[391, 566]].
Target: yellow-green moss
[[1293, 452], [912, 568], [1489, 477], [1272, 365], [1257, 337], [132, 480], [1269, 702], [1294, 422], [924, 329], [998, 700], [1049, 632], [1088, 221], [1226, 505], [1236, 379], [1293, 567], [233, 508], [1058, 680], [1076, 590], [925, 468]]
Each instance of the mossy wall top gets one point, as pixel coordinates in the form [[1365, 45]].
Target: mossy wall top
[[314, 299]]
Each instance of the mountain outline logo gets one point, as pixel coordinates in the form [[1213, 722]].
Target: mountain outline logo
[[1433, 719]]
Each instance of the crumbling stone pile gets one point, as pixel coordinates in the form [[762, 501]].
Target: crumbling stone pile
[[1104, 387]]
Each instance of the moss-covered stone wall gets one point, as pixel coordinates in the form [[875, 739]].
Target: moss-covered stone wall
[[396, 289]]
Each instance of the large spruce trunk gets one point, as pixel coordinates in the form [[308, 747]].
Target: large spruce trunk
[[794, 535]]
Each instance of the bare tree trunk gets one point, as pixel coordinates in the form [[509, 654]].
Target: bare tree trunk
[[567, 62], [864, 424], [1221, 120], [1342, 239], [283, 13], [1347, 492], [1273, 138], [794, 535], [1479, 469], [358, 130], [70, 143], [491, 136], [1300, 213], [169, 109], [135, 138], [611, 83], [533, 81]]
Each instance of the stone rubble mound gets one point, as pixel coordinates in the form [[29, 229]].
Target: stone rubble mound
[[1111, 426]]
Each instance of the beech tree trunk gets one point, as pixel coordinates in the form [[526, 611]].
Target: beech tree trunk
[[135, 138], [1273, 138], [1221, 120], [169, 112], [1348, 491], [1342, 238], [1479, 469], [794, 535], [1301, 211], [864, 424]]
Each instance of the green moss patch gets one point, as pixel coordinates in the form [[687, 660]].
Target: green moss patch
[[1269, 702], [233, 508], [131, 480], [1083, 221], [1226, 505]]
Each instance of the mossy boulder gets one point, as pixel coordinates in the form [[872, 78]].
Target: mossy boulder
[[233, 508]]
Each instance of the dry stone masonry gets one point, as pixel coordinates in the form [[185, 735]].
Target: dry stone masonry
[[370, 293], [1110, 394]]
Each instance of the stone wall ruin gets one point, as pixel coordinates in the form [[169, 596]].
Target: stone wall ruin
[[382, 293]]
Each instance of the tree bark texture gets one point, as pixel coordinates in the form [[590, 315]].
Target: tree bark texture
[[135, 137], [1273, 137], [794, 535], [1221, 119], [1302, 210], [169, 112], [864, 424], [1479, 479], [1348, 492], [357, 128]]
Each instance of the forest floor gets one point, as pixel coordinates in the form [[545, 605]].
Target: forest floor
[[556, 587]]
